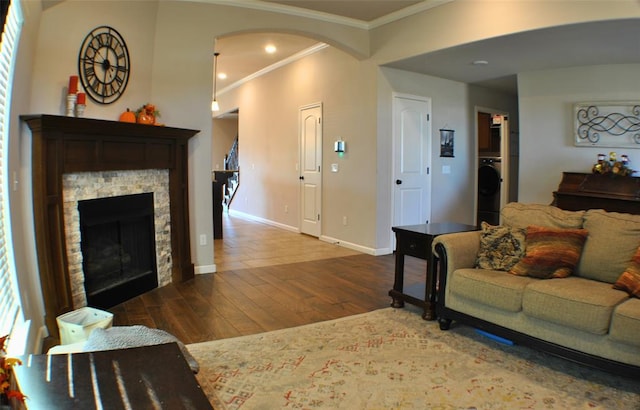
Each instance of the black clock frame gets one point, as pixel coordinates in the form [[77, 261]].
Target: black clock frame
[[104, 65]]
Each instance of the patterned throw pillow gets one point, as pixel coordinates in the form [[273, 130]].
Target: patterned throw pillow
[[629, 281], [550, 252], [501, 247]]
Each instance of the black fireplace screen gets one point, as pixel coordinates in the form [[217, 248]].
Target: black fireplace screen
[[118, 248]]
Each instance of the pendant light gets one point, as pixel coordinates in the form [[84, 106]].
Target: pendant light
[[214, 104]]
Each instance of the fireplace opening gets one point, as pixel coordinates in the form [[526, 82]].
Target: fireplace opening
[[118, 248]]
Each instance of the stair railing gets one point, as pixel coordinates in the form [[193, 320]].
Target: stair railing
[[231, 163]]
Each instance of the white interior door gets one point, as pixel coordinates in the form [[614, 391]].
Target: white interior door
[[412, 160], [310, 120]]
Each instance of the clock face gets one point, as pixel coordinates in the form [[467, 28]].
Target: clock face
[[103, 65]]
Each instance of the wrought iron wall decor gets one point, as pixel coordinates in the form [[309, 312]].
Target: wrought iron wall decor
[[607, 124]]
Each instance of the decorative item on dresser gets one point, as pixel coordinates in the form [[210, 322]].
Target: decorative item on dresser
[[64, 145]]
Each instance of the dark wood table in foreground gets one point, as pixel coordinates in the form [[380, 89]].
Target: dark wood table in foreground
[[416, 241], [149, 377]]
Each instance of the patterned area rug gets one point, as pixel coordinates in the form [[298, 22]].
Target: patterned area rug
[[392, 359]]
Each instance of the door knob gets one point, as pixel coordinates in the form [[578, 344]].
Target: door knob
[[398, 181], [301, 177]]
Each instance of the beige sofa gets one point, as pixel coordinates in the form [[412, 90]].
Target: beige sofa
[[581, 317]]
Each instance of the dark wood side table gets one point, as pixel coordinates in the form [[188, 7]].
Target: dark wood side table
[[149, 377], [416, 241]]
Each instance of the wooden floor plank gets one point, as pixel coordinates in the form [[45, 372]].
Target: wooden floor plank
[[268, 278]]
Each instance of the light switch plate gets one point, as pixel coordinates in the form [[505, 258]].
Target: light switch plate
[[334, 168]]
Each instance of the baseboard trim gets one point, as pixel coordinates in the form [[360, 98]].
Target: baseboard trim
[[264, 221], [348, 245], [324, 238], [200, 270]]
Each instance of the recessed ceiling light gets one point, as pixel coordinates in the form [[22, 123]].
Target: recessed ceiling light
[[480, 62], [270, 48], [222, 76]]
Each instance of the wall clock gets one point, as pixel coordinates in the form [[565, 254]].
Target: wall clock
[[103, 65]]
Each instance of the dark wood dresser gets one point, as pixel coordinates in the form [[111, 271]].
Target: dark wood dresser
[[579, 191]]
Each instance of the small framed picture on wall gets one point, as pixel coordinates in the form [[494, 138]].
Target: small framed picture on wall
[[446, 143]]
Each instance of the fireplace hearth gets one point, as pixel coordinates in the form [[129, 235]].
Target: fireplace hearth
[[118, 248]]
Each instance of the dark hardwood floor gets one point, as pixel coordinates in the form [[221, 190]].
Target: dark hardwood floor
[[246, 301]]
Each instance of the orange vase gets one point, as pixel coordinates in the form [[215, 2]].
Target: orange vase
[[144, 118]]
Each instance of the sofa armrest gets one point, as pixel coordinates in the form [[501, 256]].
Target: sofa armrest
[[461, 249], [454, 251]]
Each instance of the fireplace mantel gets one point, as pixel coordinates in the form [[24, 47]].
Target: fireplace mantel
[[63, 145]]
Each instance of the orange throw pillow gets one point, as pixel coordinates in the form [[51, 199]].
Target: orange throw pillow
[[550, 252], [629, 281]]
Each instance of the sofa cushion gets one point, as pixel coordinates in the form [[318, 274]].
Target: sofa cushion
[[490, 287], [629, 281], [522, 215], [613, 240], [574, 302], [501, 247], [625, 323], [550, 252]]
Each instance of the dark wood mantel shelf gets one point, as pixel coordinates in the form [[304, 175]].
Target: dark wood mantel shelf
[[62, 145]]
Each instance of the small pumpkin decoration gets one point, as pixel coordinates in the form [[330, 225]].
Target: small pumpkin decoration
[[128, 116]]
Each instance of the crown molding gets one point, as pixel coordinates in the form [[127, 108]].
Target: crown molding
[[406, 12], [291, 10], [327, 17], [306, 52]]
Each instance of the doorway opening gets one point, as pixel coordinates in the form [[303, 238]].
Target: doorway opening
[[493, 165]]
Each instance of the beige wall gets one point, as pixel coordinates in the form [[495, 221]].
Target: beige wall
[[453, 103], [171, 47], [171, 43], [464, 21], [546, 139], [269, 160]]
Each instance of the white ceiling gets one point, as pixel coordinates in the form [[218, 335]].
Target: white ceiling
[[609, 42], [363, 10], [243, 55]]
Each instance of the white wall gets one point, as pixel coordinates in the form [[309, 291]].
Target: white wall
[[453, 106], [450, 199], [546, 123], [269, 159]]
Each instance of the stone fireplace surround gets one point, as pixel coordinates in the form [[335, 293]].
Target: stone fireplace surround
[[93, 185], [68, 145]]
